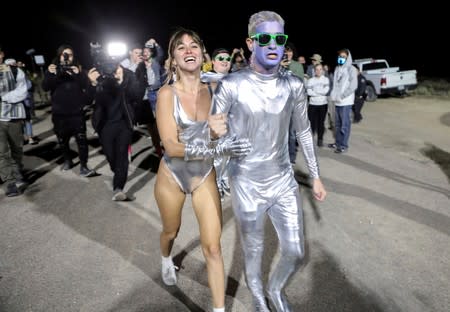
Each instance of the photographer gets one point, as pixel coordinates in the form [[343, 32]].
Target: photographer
[[115, 97], [67, 84], [289, 61], [146, 64], [153, 56]]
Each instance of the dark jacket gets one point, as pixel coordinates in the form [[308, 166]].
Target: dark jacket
[[360, 92], [67, 92], [114, 102]]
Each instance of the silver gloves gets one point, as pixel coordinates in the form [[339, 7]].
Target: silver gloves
[[229, 147]]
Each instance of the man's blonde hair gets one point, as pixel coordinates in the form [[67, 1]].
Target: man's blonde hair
[[261, 17]]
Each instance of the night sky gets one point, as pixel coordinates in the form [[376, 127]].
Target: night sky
[[403, 36]]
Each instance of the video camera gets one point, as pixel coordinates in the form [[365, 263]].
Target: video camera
[[106, 61]]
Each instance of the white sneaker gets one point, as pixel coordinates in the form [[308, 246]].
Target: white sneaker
[[168, 274], [119, 195]]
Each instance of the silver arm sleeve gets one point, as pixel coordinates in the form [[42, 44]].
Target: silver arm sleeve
[[229, 147], [304, 134]]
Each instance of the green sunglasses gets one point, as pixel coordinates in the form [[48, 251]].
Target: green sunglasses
[[223, 58], [265, 38]]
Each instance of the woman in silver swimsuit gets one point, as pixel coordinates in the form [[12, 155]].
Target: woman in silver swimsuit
[[187, 166]]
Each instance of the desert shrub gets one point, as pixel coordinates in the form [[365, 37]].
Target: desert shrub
[[432, 87]]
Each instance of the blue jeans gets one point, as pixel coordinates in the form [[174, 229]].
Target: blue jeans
[[152, 98], [343, 125]]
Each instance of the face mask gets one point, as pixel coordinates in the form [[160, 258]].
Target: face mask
[[341, 60]]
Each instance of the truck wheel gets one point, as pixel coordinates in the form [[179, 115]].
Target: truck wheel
[[371, 95]]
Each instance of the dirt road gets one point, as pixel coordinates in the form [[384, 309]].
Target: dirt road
[[380, 242]]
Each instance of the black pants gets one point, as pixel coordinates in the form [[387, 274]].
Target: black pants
[[71, 126], [115, 138], [359, 102], [11, 150], [316, 115]]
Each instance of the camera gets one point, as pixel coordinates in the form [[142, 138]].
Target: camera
[[285, 61], [107, 61], [152, 47], [64, 66]]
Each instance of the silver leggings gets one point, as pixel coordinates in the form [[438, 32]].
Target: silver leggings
[[285, 213]]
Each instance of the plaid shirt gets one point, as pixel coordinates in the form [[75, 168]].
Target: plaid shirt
[[13, 90]]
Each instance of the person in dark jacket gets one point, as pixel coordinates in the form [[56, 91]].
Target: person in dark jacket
[[67, 84], [115, 97], [360, 97]]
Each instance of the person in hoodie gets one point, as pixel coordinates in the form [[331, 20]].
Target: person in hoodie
[[67, 84], [345, 82]]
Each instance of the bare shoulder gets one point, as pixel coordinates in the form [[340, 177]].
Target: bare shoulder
[[165, 99], [165, 91]]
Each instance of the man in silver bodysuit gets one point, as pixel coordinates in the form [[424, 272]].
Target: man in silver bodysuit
[[258, 103]]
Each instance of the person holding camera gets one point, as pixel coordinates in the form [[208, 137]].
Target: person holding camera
[[153, 56], [115, 96], [67, 84], [143, 69], [238, 60], [288, 61]]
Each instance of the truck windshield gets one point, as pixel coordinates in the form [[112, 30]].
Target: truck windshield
[[376, 65]]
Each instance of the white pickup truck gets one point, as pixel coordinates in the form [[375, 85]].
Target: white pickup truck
[[382, 79]]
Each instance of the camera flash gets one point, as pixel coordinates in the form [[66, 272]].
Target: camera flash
[[116, 49]]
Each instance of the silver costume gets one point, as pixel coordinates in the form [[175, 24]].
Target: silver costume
[[189, 174], [220, 162], [260, 108]]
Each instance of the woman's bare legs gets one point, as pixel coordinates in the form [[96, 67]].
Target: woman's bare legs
[[170, 200], [207, 207]]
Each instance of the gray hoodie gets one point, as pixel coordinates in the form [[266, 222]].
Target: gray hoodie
[[345, 82]]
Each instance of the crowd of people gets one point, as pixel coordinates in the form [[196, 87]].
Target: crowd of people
[[222, 125]]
